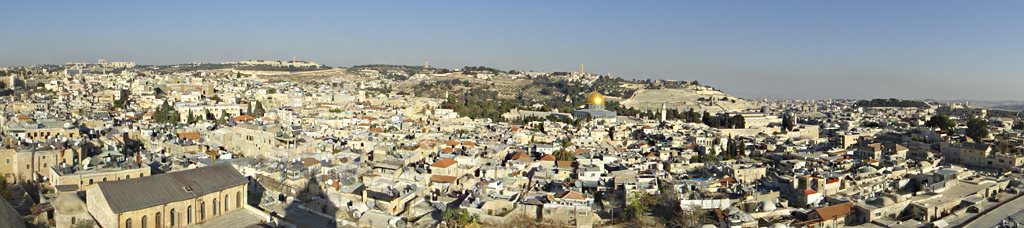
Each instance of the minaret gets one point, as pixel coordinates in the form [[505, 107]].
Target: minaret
[[426, 64], [663, 112], [293, 58], [581, 68]]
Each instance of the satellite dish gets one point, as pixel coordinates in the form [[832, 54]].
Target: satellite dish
[[371, 204], [86, 163]]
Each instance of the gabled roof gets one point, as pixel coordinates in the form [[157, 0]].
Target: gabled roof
[[144, 192], [522, 157], [570, 195], [548, 158], [444, 163], [244, 118], [451, 143]]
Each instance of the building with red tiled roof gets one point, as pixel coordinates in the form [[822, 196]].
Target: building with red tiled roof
[[835, 214], [442, 179], [189, 135], [244, 118], [548, 158], [452, 143], [444, 167], [523, 157]]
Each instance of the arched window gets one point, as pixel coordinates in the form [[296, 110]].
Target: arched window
[[90, 181], [104, 179], [189, 215], [173, 216], [72, 220], [127, 176], [226, 205], [238, 199], [143, 222], [214, 206], [128, 223], [202, 210], [156, 219]]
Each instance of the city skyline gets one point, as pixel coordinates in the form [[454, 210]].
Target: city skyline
[[800, 50]]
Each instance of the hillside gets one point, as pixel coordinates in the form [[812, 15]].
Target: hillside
[[698, 98]]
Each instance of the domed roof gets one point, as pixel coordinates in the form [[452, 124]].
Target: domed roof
[[882, 201], [595, 98], [732, 210], [868, 169], [70, 203], [767, 206]]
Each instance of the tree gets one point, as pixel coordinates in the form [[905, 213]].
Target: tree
[[942, 122], [977, 128], [641, 203], [1018, 125], [564, 155], [207, 115], [4, 191], [175, 117], [459, 217], [191, 117], [706, 118], [122, 101], [787, 123], [738, 121], [257, 110]]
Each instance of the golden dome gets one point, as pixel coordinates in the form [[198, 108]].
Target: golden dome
[[595, 98]]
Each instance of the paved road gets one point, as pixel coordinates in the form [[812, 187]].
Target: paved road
[[992, 218]]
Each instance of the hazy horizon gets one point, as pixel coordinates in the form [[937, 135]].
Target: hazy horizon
[[798, 50]]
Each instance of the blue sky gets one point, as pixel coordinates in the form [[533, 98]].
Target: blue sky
[[794, 49]]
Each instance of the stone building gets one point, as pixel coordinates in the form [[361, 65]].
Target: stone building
[[174, 199]]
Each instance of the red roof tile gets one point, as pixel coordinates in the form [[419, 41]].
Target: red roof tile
[[444, 163]]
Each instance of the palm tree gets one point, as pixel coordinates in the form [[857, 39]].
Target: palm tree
[[564, 154]]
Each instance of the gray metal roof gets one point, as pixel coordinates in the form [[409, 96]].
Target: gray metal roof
[[144, 192]]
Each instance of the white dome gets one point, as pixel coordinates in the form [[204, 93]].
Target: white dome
[[767, 206]]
